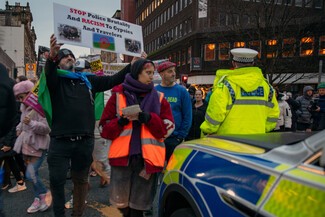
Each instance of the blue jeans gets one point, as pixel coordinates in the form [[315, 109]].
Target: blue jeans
[[62, 151], [33, 165]]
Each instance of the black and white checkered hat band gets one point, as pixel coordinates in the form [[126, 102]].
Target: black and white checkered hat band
[[243, 59]]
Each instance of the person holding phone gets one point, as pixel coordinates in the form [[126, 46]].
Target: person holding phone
[[137, 152]]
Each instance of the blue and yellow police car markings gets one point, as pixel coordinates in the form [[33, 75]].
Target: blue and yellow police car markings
[[243, 181], [216, 204], [291, 198], [225, 145], [178, 158]]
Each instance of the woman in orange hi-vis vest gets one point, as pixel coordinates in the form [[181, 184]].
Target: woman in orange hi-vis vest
[[137, 152]]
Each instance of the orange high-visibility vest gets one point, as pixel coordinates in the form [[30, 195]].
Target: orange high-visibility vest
[[153, 150]]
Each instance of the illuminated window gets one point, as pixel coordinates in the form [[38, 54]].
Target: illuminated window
[[306, 46], [288, 47], [239, 44], [322, 45], [256, 45], [224, 51], [209, 52], [271, 48]]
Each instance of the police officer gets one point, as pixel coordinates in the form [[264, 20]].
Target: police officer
[[243, 102]]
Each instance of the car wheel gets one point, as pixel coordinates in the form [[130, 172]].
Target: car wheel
[[184, 212]]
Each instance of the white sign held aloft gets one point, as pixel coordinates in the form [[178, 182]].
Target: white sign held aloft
[[82, 28]]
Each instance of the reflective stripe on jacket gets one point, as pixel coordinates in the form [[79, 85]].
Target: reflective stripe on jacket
[[153, 150], [247, 107]]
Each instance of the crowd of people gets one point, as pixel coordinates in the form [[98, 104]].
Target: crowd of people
[[131, 141]]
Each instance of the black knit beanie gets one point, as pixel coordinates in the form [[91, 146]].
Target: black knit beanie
[[137, 67]]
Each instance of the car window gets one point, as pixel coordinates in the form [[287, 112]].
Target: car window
[[315, 163]]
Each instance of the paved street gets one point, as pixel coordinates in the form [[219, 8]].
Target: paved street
[[16, 204]]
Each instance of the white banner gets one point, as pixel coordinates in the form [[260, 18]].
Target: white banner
[[87, 29]]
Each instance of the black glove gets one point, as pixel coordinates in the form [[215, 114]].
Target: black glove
[[144, 117], [123, 121]]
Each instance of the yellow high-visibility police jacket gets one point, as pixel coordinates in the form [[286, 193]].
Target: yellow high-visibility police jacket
[[242, 102]]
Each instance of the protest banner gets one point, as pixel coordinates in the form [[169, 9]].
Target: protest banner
[[96, 65], [82, 28], [30, 70], [32, 100]]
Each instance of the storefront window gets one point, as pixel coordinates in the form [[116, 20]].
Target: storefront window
[[256, 45], [306, 46], [224, 51], [209, 52], [271, 48], [288, 47], [239, 44]]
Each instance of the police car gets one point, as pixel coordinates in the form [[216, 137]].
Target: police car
[[274, 174]]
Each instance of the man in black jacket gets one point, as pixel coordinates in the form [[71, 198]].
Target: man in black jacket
[[73, 121]]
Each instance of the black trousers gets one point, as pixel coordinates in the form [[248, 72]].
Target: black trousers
[[62, 152]]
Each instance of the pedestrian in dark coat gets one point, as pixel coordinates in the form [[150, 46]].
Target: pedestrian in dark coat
[[7, 103], [321, 104], [294, 106], [7, 111], [199, 108], [304, 121]]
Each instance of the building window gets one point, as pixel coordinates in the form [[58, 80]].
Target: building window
[[189, 55], [271, 49], [233, 19], [224, 51], [244, 20], [298, 3], [238, 44], [306, 46], [209, 52], [308, 3], [179, 58], [183, 57], [256, 45], [288, 47], [287, 2], [318, 3], [322, 45], [223, 19]]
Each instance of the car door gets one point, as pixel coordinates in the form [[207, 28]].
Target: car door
[[299, 192]]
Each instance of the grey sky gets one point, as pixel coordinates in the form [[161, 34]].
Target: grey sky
[[42, 11]]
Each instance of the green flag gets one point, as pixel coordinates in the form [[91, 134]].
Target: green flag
[[99, 105], [45, 100]]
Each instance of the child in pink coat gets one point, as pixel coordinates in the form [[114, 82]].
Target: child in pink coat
[[33, 141]]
